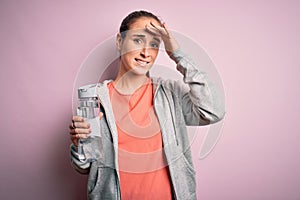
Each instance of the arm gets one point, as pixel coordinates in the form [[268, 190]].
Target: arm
[[201, 102], [79, 129]]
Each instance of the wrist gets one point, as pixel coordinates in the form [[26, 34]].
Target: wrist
[[171, 46]]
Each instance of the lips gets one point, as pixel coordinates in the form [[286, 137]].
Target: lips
[[142, 62]]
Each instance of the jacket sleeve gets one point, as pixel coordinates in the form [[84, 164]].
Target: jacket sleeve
[[78, 161], [202, 103]]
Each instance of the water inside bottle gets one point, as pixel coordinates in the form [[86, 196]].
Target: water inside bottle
[[94, 140]]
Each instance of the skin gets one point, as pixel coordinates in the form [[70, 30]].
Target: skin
[[138, 50]]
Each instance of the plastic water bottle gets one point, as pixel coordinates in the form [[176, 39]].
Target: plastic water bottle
[[89, 109]]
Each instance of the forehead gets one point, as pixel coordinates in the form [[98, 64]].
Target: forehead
[[139, 27], [141, 23], [142, 33]]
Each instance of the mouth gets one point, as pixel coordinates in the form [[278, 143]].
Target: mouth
[[141, 62]]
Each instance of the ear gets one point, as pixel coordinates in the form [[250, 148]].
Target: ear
[[119, 41]]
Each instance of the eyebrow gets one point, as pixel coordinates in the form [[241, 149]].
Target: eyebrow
[[143, 36]]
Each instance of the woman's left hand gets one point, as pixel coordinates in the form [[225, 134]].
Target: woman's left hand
[[170, 42]]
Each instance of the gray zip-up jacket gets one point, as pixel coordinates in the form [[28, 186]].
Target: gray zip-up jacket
[[195, 102]]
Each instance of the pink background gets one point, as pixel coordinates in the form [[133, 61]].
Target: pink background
[[254, 44]]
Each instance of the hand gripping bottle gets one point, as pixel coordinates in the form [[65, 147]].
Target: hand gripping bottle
[[89, 109]]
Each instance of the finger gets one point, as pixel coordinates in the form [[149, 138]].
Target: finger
[[160, 29], [99, 106], [166, 28], [153, 31], [77, 119], [75, 138], [80, 131], [75, 125], [157, 30], [100, 115], [79, 136], [81, 125]]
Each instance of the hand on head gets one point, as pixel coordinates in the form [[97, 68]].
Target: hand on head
[[170, 42]]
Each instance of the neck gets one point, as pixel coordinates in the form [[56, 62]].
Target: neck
[[128, 83]]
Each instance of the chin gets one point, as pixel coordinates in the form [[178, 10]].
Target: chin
[[140, 71]]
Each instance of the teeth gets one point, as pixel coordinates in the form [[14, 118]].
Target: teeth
[[142, 63]]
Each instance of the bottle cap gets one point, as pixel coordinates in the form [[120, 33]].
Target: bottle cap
[[88, 91]]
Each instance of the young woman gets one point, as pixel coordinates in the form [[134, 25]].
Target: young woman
[[143, 124]]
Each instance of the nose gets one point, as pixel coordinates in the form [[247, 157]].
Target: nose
[[145, 52]]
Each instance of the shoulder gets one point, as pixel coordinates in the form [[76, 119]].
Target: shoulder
[[162, 82], [174, 86]]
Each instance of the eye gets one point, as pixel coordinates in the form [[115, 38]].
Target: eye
[[137, 41], [155, 45]]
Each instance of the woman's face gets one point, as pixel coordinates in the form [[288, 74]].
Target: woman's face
[[139, 48]]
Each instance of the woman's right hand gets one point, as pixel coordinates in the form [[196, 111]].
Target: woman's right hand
[[79, 129]]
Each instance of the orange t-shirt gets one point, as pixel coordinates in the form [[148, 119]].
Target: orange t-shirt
[[142, 166]]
